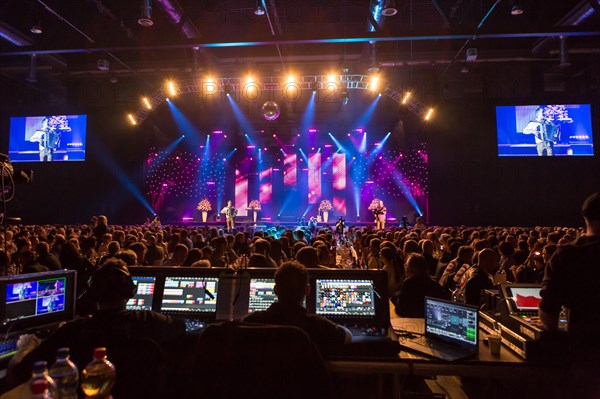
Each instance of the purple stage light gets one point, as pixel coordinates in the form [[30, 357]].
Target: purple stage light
[[250, 146], [312, 130], [217, 131]]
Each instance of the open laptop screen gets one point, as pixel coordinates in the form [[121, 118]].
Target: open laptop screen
[[144, 293], [190, 295], [345, 298], [451, 321], [524, 299]]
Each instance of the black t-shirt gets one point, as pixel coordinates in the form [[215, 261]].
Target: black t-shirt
[[479, 281], [103, 326], [321, 331], [572, 279], [410, 299]]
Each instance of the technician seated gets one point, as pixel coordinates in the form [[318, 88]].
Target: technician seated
[[111, 287], [291, 288], [418, 284]]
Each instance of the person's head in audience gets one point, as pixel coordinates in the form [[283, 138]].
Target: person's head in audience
[[4, 262], [201, 263], [591, 214], [308, 256], [42, 249], [411, 247], [180, 252], [427, 247], [219, 245], [111, 285], [69, 256], [140, 251], [262, 247], [193, 256], [297, 247], [155, 255], [102, 221], [259, 260], [506, 249], [488, 261], [416, 266], [291, 283], [207, 252], [127, 256], [374, 246], [113, 248], [465, 255]]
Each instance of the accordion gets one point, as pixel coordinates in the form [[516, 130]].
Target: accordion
[[50, 139]]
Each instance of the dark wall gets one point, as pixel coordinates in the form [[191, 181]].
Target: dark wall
[[471, 185]]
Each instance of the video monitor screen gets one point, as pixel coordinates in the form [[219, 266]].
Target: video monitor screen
[[544, 130], [35, 298], [50, 138], [262, 294], [338, 297], [451, 321], [142, 300], [525, 298], [190, 295]]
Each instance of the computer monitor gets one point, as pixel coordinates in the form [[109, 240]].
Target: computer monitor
[[188, 295], [345, 298], [453, 322], [144, 294], [262, 294], [37, 299], [522, 298]]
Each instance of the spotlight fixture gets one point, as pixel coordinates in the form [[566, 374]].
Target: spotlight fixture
[[374, 83], [429, 114], [389, 9], [464, 69], [516, 9], [146, 102], [131, 119], [171, 87], [114, 79], [259, 11], [406, 97], [36, 29], [145, 19], [227, 89], [314, 86]]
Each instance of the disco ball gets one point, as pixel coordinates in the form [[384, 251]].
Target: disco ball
[[270, 110]]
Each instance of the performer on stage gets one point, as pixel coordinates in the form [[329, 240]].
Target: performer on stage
[[339, 228], [545, 133], [48, 139], [230, 214], [379, 213]]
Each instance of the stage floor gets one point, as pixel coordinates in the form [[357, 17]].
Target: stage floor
[[261, 224]]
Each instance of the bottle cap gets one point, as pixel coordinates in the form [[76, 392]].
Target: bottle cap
[[99, 353], [39, 386], [63, 352], [40, 366]]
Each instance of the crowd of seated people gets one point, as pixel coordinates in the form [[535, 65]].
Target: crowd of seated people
[[449, 257], [443, 262]]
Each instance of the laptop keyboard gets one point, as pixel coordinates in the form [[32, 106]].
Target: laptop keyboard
[[438, 346]]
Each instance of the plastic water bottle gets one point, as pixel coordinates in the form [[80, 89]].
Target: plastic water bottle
[[65, 374], [39, 390], [40, 373], [99, 376]]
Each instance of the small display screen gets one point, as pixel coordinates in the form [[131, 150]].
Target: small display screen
[[345, 297], [450, 321], [544, 130], [525, 299], [190, 294], [262, 294], [144, 293], [35, 298]]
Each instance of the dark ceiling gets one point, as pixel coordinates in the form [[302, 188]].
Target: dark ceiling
[[77, 33]]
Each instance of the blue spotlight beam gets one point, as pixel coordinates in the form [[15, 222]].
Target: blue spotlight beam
[[365, 118], [363, 144], [377, 149], [339, 145], [186, 127], [112, 166], [309, 114], [239, 116]]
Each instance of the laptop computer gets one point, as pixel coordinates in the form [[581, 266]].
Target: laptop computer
[[451, 331]]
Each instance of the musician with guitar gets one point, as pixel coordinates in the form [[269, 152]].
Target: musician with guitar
[[546, 133]]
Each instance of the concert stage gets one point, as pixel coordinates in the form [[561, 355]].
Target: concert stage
[[265, 224]]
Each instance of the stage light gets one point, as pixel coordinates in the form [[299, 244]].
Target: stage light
[[516, 9], [250, 79], [146, 102], [131, 119], [330, 78], [406, 97], [291, 79], [314, 86], [227, 89], [171, 87], [429, 114], [274, 135], [374, 83], [211, 85], [259, 10]]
